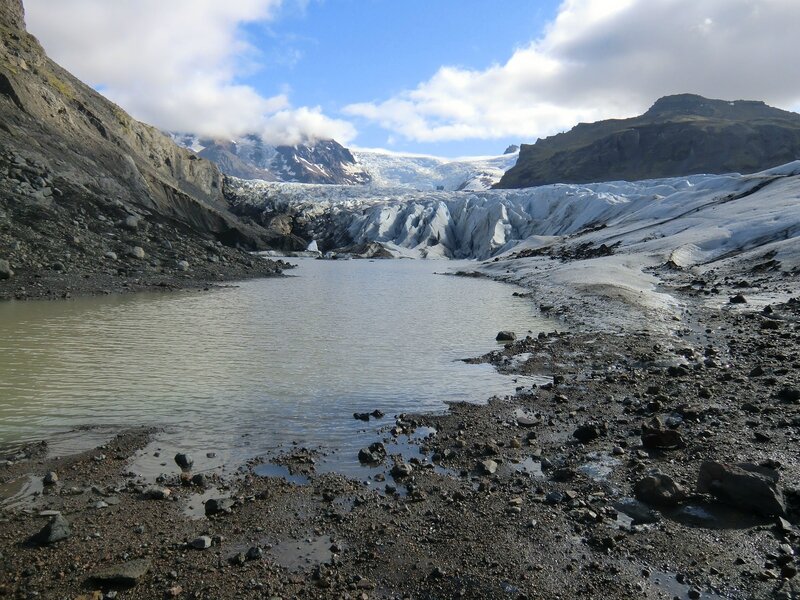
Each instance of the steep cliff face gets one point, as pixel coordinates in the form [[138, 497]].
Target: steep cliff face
[[92, 200], [680, 135], [92, 147]]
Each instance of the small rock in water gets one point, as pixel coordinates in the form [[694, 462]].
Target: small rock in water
[[55, 531], [401, 470], [374, 454], [51, 478], [506, 336], [184, 461], [361, 416], [378, 414]]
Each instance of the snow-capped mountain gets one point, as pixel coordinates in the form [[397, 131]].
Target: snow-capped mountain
[[422, 172], [328, 162], [249, 157]]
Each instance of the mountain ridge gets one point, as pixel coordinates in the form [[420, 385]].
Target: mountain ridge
[[86, 188], [683, 134]]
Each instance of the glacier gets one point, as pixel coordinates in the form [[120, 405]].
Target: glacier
[[687, 220], [578, 246]]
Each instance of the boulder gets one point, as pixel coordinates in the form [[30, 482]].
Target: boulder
[[137, 252], [744, 485], [659, 489], [506, 336]]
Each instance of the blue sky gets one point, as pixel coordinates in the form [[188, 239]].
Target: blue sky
[[334, 53], [446, 77]]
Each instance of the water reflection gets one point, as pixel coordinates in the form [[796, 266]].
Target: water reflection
[[247, 369]]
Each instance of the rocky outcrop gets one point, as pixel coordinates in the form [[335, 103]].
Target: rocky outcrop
[[57, 130], [680, 135], [249, 157]]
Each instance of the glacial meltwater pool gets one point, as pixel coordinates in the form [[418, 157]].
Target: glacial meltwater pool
[[248, 370]]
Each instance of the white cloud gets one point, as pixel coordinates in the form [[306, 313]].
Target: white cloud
[[174, 63], [607, 58]]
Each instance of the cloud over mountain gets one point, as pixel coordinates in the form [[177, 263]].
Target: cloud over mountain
[[606, 58], [176, 64]]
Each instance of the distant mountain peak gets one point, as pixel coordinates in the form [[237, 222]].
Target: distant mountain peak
[[511, 149], [682, 134], [249, 157]]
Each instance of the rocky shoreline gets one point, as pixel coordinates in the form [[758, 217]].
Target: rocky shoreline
[[650, 467]]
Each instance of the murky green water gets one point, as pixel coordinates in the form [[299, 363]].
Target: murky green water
[[246, 370]]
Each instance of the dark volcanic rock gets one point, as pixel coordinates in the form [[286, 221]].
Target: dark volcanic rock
[[660, 490], [655, 437], [124, 575], [679, 135], [216, 506], [744, 485], [56, 530], [184, 461], [506, 336]]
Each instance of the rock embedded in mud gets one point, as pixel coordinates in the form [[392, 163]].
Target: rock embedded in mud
[[486, 467], [55, 531], [124, 575], [216, 506], [659, 489], [506, 336], [157, 493], [744, 485], [51, 478], [588, 432], [738, 299], [201, 543]]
